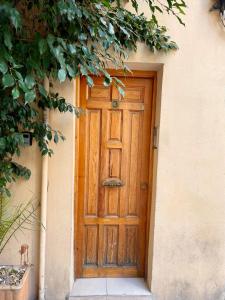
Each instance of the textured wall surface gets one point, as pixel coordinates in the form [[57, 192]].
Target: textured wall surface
[[187, 257], [22, 192], [189, 233], [59, 252]]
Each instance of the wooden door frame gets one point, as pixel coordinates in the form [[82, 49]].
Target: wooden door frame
[[135, 74]]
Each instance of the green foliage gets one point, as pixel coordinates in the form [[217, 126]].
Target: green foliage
[[64, 39], [14, 220]]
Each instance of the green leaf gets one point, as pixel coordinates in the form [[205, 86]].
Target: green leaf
[[3, 67], [118, 82], [29, 81], [124, 31], [16, 66], [71, 71], [111, 29], [30, 96], [135, 4], [8, 80], [15, 93], [85, 50], [8, 40], [2, 143], [43, 46], [107, 81], [103, 21], [8, 194], [50, 39], [49, 135], [101, 33], [90, 81], [42, 90], [121, 91], [23, 86], [18, 75], [62, 75], [58, 52], [83, 70], [82, 37], [56, 138], [72, 49], [15, 18]]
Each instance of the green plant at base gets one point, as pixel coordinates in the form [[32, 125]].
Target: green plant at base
[[13, 220], [63, 39]]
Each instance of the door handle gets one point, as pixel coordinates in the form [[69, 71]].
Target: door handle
[[112, 182]]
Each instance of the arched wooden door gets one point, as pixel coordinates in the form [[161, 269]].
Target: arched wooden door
[[114, 147]]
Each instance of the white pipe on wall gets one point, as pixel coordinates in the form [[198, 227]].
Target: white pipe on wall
[[43, 217]]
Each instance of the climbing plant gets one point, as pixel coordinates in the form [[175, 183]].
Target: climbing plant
[[220, 6], [62, 39]]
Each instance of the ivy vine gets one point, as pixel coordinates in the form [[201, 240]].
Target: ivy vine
[[62, 39]]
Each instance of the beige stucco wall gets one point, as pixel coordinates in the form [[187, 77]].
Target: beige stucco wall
[[59, 252], [23, 192], [188, 245], [189, 233]]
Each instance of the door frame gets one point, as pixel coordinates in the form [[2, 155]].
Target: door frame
[[136, 74]]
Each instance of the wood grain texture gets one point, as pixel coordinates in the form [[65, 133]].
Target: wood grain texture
[[92, 161], [114, 143], [111, 240], [131, 243], [91, 245]]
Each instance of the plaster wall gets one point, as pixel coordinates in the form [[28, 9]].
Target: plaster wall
[[59, 251], [188, 209], [22, 193], [187, 257]]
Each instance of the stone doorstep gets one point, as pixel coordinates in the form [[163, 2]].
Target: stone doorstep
[[110, 289], [110, 297]]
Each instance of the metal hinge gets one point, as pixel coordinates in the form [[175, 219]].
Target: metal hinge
[[155, 137]]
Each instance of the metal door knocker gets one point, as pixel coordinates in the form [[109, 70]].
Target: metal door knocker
[[112, 182], [115, 103]]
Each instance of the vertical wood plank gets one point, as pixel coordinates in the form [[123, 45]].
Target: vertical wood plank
[[92, 160], [131, 244], [125, 164], [121, 246], [111, 239], [91, 245], [134, 162], [115, 124], [103, 192], [114, 171], [101, 245]]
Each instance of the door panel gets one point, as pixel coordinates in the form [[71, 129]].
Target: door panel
[[114, 149]]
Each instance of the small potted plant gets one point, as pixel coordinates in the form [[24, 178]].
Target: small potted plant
[[14, 280]]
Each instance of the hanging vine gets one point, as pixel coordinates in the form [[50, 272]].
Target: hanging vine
[[220, 6], [63, 39]]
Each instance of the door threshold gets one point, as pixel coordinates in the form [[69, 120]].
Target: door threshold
[[110, 289]]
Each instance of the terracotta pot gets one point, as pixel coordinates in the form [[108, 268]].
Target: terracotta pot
[[20, 292]]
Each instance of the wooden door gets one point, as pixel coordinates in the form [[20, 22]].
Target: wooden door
[[113, 178]]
